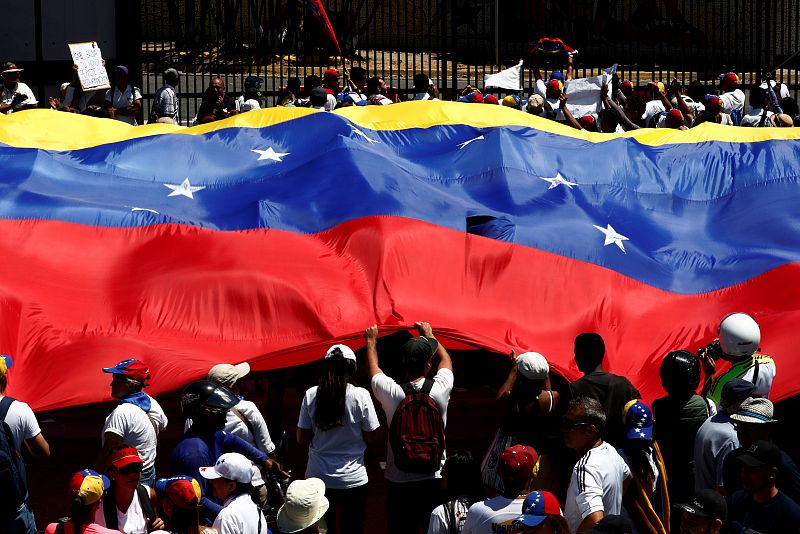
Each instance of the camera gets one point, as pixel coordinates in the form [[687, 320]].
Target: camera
[[713, 350]]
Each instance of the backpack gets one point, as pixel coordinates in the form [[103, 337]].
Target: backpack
[[417, 431], [13, 486], [110, 507]]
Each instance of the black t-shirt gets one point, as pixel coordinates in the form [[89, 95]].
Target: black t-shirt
[[613, 392], [788, 480], [779, 515], [209, 107], [674, 428]]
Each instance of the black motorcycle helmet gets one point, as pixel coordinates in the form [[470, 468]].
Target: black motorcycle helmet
[[680, 372], [206, 394]]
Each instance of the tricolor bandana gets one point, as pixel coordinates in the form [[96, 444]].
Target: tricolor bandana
[[638, 420], [89, 485], [183, 491]]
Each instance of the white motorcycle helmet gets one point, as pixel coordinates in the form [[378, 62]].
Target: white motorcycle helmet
[[739, 335]]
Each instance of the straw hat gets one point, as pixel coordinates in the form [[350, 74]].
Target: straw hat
[[305, 504]]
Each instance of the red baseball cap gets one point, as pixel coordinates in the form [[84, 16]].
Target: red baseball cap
[[331, 73], [555, 85], [517, 462], [586, 120], [183, 491], [490, 99], [124, 457], [132, 368]]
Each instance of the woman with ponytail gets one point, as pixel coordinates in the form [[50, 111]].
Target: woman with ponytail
[[334, 417], [86, 488]]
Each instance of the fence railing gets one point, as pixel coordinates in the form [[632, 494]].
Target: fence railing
[[458, 42]]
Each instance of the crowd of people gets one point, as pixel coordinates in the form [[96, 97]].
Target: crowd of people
[[621, 106], [586, 456]]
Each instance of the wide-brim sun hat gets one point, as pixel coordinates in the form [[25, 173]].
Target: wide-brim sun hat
[[304, 505]]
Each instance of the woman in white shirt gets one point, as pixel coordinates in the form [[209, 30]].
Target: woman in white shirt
[[123, 101], [334, 417], [231, 482], [128, 505]]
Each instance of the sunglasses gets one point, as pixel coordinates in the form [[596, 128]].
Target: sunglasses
[[130, 469], [569, 424]]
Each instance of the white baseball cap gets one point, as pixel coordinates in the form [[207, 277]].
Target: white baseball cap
[[532, 366], [304, 505], [347, 352], [228, 374], [230, 466]]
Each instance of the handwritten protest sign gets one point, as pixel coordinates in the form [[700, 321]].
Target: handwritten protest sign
[[91, 71]]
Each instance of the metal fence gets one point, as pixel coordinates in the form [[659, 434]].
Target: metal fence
[[457, 42]]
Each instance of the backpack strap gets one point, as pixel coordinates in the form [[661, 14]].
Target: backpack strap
[[755, 371], [110, 511], [408, 389], [244, 419], [5, 404], [763, 118], [146, 504], [427, 386]]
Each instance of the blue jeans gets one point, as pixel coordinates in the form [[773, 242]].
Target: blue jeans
[[20, 523], [149, 477]]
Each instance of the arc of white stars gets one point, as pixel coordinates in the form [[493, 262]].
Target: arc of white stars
[[270, 154], [185, 189], [612, 237]]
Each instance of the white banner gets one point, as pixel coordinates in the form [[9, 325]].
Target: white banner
[[505, 79], [91, 70], [584, 93]]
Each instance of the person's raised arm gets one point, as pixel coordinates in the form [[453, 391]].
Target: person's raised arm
[[425, 329], [570, 61], [371, 335], [562, 105], [505, 390], [682, 105], [661, 96], [773, 98]]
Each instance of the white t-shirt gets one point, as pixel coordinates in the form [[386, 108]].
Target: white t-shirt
[[754, 118], [390, 395], [133, 425], [240, 516], [651, 109], [22, 422], [595, 485], [7, 95], [133, 521], [123, 99], [336, 456], [379, 100], [157, 416], [732, 100], [498, 514], [441, 518]]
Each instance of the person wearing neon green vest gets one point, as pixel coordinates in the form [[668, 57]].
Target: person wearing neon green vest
[[739, 340]]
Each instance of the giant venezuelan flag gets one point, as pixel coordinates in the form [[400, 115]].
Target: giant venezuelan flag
[[268, 236]]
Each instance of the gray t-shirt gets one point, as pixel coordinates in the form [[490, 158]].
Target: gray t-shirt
[[715, 439]]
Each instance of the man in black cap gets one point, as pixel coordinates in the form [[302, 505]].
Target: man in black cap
[[717, 436], [705, 514], [760, 506], [411, 496]]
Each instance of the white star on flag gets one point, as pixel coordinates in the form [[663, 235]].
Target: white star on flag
[[185, 189], [558, 180], [612, 237], [465, 143], [269, 154], [365, 136]]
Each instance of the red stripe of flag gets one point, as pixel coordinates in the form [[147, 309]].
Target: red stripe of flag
[[318, 10]]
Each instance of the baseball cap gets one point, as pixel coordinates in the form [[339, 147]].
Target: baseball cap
[[535, 101], [557, 75], [230, 466], [5, 364], [730, 77], [626, 85], [512, 101], [183, 491], [713, 101], [228, 374], [537, 506], [331, 73], [587, 120], [424, 346], [490, 99], [532, 366], [89, 485], [474, 97], [517, 462], [638, 420], [345, 351], [253, 82], [555, 85], [10, 68], [755, 410], [737, 390], [124, 457], [675, 115], [707, 503], [762, 453], [121, 68], [132, 368]]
